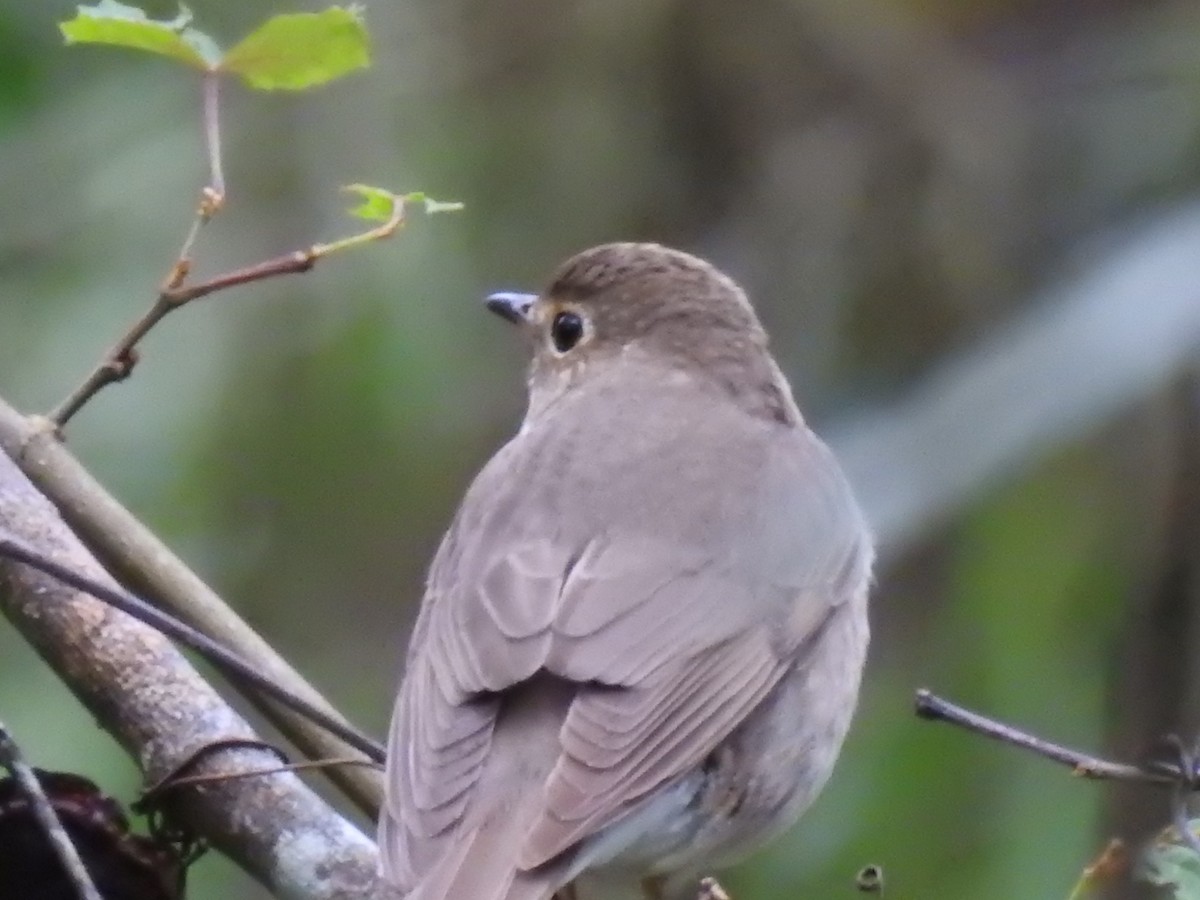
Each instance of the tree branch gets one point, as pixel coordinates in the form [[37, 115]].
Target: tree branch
[[217, 654], [144, 692], [143, 562]]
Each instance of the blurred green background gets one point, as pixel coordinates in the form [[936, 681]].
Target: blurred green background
[[972, 228]]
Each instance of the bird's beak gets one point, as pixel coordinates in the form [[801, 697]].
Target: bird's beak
[[511, 305]]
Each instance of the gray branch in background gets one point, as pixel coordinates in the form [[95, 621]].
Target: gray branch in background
[[1086, 349], [143, 691]]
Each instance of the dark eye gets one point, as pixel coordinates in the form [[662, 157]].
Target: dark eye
[[566, 330]]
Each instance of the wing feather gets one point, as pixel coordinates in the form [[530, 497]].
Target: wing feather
[[620, 745], [668, 641]]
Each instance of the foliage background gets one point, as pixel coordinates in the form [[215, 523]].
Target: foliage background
[[904, 186]]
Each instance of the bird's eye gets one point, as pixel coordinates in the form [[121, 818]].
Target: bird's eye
[[566, 330]]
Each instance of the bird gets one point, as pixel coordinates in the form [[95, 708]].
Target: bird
[[642, 637]]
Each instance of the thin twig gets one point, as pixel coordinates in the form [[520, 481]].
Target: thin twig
[[289, 264], [116, 366], [151, 794], [212, 195], [119, 361], [210, 204], [215, 653], [930, 706], [1179, 774], [47, 818], [393, 223], [212, 133]]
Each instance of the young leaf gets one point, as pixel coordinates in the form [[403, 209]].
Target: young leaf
[[118, 25], [379, 205], [300, 50], [375, 204], [440, 206], [432, 207]]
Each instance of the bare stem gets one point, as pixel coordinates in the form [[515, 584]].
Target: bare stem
[[289, 264], [120, 360], [212, 132], [930, 706], [394, 223], [118, 363]]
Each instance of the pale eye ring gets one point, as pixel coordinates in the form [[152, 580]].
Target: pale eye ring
[[566, 330]]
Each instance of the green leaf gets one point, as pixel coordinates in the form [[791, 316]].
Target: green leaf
[[118, 25], [376, 204], [300, 50], [1176, 867], [379, 204]]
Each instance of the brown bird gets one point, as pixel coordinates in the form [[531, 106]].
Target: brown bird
[[641, 639]]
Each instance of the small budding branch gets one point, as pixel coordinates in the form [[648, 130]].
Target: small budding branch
[[287, 52]]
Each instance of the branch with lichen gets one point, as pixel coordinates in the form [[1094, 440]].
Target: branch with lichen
[[144, 692]]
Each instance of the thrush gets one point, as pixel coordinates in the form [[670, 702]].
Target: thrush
[[642, 636]]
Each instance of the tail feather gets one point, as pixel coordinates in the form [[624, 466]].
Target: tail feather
[[480, 861], [481, 866]]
